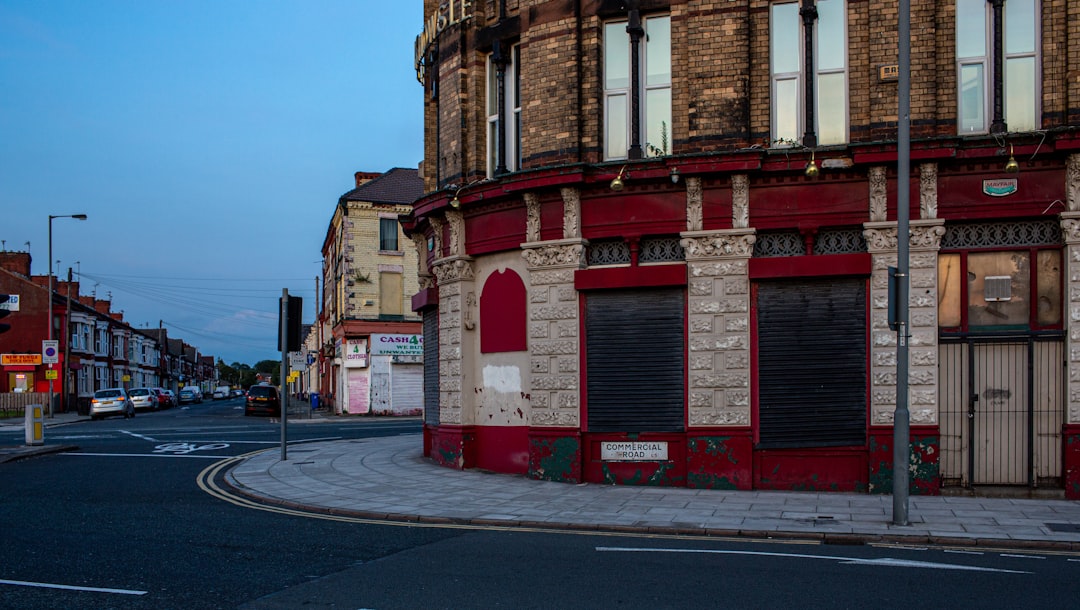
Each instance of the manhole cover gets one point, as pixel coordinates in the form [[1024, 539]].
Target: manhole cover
[[1065, 528]]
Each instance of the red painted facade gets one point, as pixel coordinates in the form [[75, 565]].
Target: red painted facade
[[745, 215]]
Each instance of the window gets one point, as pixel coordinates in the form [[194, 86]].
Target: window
[[787, 66], [975, 42], [653, 84], [503, 150], [388, 234]]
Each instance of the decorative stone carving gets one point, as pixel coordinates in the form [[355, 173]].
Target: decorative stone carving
[[924, 235], [469, 315], [454, 269], [1070, 227], [457, 232], [740, 201], [733, 243], [879, 199], [421, 254], [693, 204], [571, 213], [562, 253], [532, 217], [437, 233], [1072, 184], [928, 191]]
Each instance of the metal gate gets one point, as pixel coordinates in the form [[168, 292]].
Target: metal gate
[[1002, 408]]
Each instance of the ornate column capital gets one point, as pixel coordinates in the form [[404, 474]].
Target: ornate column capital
[[453, 269], [925, 235], [555, 253], [725, 243], [1070, 227]]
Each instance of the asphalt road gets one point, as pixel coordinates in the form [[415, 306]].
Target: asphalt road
[[124, 523]]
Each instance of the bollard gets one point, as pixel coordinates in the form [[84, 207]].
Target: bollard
[[35, 425]]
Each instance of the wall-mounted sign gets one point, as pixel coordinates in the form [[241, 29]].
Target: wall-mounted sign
[[20, 359], [1000, 188], [355, 354], [633, 451], [397, 345], [888, 72], [447, 14], [11, 304]]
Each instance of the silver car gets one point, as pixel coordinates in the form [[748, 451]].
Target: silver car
[[111, 401], [143, 398]]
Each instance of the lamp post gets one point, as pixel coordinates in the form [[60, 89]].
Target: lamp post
[[48, 306]]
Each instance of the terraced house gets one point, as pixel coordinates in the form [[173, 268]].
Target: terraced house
[[655, 239]]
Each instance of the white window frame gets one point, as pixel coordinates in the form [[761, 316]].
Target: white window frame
[[984, 61], [839, 67], [511, 110], [614, 151]]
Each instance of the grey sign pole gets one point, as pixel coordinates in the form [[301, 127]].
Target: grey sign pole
[[283, 333], [901, 417]]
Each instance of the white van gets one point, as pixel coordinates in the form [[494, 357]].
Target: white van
[[222, 391]]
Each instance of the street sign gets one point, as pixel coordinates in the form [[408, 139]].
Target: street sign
[[50, 352], [52, 374], [12, 303]]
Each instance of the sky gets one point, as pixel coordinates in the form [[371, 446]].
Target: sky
[[207, 141]]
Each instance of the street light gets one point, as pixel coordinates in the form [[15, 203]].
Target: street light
[[48, 306]]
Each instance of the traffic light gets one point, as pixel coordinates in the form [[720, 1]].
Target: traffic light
[[293, 311], [4, 311]]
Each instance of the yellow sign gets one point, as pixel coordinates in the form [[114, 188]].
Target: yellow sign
[[126, 378], [294, 376], [52, 374], [23, 359]]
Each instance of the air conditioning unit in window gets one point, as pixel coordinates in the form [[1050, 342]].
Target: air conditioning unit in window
[[997, 288]]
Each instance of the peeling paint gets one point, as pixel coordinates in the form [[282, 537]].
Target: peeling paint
[[555, 459]]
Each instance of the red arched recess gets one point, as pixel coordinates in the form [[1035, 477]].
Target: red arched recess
[[503, 313]]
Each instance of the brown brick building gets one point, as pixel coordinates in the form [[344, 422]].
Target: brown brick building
[[656, 237]]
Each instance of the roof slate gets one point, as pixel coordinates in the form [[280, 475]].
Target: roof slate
[[397, 186]]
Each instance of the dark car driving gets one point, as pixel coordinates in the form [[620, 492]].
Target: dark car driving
[[263, 400]]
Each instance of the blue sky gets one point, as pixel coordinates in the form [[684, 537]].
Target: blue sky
[[207, 141]]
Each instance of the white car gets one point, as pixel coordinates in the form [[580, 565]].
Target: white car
[[143, 398], [111, 401]]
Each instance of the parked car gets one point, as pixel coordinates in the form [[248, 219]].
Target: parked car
[[111, 401], [143, 398], [195, 392], [186, 396], [220, 392], [237, 393], [166, 399], [264, 400]]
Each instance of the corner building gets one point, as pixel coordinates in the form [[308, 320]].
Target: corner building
[[655, 240]]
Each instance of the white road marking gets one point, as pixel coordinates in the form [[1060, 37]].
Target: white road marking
[[145, 438], [46, 585], [844, 560], [154, 455], [1022, 556]]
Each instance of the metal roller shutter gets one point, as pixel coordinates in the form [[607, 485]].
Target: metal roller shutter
[[431, 367], [634, 344], [812, 363], [406, 387]]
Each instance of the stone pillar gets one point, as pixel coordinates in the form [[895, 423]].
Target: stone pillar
[[553, 330], [719, 357], [1070, 228], [456, 278], [925, 241], [554, 348]]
